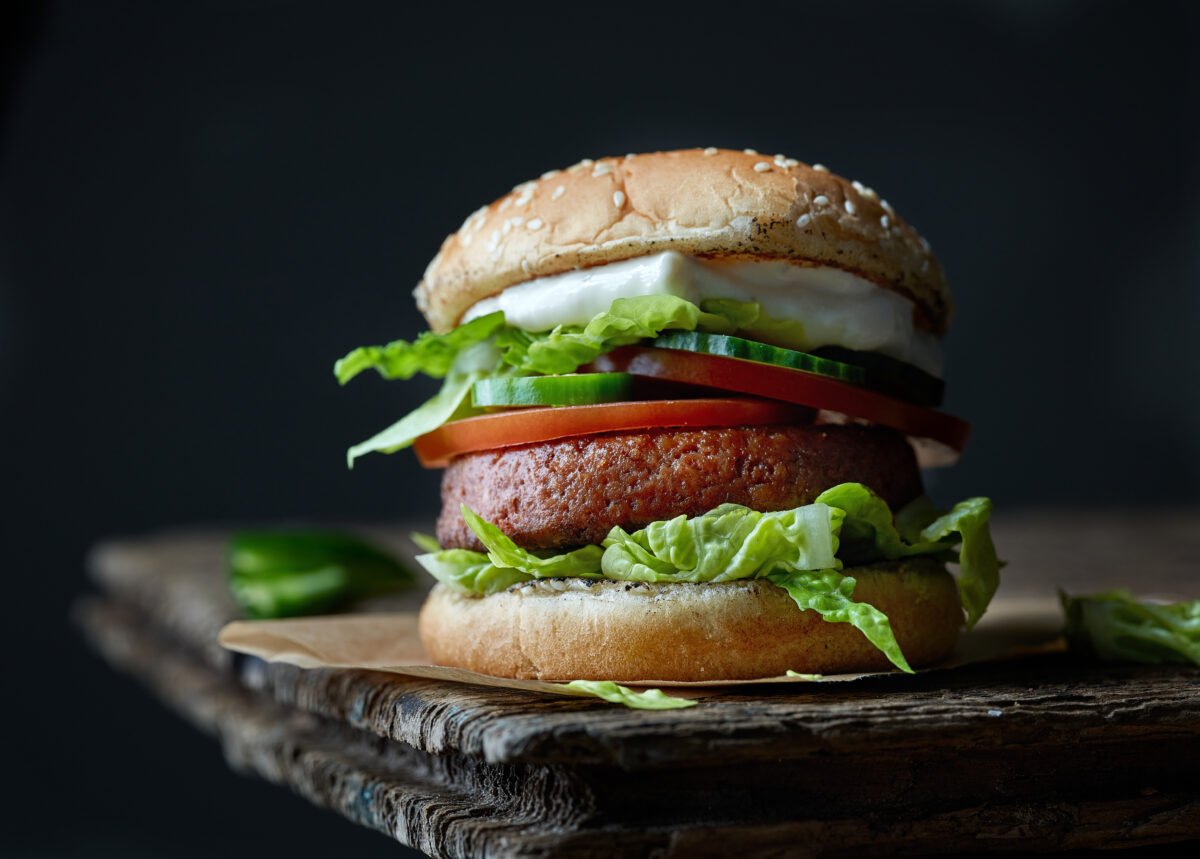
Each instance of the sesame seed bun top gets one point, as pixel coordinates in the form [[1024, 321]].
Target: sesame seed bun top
[[707, 202]]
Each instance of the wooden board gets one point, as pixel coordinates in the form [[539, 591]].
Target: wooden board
[[1037, 754]]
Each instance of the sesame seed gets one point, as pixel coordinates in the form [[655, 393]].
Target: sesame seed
[[505, 203], [534, 224], [820, 168], [762, 167], [586, 162], [850, 207], [603, 168], [820, 200], [750, 151], [619, 199], [791, 162], [525, 267], [712, 150], [869, 193], [629, 155], [857, 186], [925, 245], [887, 207], [524, 186], [549, 174], [885, 222], [558, 192], [804, 220]]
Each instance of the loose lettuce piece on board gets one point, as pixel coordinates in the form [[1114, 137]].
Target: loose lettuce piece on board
[[651, 699], [1116, 627]]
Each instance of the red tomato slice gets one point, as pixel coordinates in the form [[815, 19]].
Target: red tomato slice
[[792, 386], [529, 426]]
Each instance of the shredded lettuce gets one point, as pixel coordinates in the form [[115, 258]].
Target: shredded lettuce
[[1116, 627], [651, 699]]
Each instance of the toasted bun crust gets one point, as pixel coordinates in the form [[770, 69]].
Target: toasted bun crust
[[710, 202], [564, 629]]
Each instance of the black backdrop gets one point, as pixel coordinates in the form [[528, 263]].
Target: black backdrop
[[204, 204]]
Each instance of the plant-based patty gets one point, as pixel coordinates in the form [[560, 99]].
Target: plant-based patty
[[572, 492]]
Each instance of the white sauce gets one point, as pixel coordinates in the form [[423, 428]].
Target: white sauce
[[833, 307]]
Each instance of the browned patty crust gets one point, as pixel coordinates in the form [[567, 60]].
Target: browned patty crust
[[572, 492]]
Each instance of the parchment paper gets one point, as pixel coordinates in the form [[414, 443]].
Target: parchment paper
[[389, 643]]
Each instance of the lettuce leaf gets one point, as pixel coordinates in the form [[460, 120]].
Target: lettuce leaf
[[486, 347], [504, 553], [629, 320], [978, 566], [869, 533], [470, 572], [425, 542], [1116, 627], [829, 593], [504, 564], [431, 354], [728, 543], [651, 699], [453, 399]]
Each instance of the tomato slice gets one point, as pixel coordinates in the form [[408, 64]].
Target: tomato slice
[[529, 426], [792, 386]]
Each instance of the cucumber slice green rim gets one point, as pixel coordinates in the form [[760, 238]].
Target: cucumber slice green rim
[[572, 389], [749, 350], [890, 376]]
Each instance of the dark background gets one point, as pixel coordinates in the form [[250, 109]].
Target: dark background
[[205, 204]]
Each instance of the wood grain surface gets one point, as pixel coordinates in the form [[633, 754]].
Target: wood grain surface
[[1041, 753]]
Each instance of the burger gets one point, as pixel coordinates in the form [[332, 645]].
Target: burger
[[687, 398]]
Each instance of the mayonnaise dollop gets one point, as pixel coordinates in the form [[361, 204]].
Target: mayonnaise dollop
[[833, 307]]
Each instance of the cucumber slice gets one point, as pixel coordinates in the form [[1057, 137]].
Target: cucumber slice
[[889, 376], [573, 389], [750, 350]]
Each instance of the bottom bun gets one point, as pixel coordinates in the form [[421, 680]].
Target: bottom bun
[[575, 629]]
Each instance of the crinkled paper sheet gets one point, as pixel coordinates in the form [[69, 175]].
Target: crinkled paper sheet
[[389, 643]]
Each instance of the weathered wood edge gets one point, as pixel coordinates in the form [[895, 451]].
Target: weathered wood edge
[[420, 798], [177, 581], [996, 704]]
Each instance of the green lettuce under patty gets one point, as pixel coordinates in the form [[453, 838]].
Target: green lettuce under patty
[[487, 347], [810, 552]]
